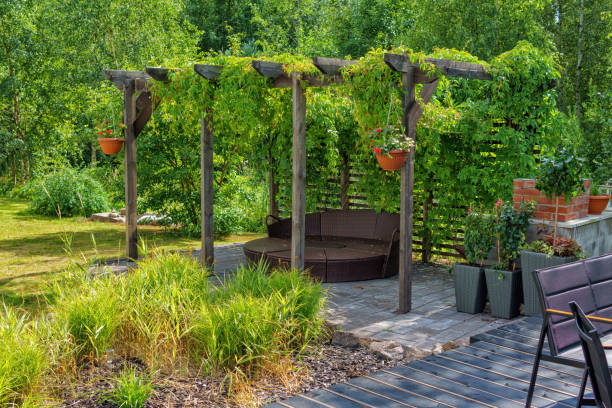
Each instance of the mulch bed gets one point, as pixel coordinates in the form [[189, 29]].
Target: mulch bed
[[329, 365]]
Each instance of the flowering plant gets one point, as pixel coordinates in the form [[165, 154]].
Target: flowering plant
[[389, 138], [106, 129]]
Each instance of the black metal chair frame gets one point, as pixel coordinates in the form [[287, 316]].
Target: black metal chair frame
[[553, 356], [597, 368]]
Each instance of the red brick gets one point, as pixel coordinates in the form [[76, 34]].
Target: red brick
[[529, 183]]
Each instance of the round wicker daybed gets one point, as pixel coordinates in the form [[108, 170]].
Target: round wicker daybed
[[341, 246]]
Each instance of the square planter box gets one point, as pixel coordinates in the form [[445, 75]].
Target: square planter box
[[470, 288], [530, 261], [505, 293]]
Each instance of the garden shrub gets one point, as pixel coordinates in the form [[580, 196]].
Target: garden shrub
[[68, 192], [23, 359]]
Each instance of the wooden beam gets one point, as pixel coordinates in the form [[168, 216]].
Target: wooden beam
[[275, 71], [207, 190], [120, 77], [210, 72], [402, 62], [406, 199], [145, 105], [131, 217], [331, 66], [298, 197], [417, 108], [159, 73]]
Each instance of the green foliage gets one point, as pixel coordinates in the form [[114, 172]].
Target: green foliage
[[23, 359], [257, 317], [559, 175], [91, 318], [561, 246], [478, 238], [390, 138], [130, 390], [68, 192], [596, 143], [510, 229]]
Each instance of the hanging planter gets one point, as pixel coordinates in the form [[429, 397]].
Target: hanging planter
[[394, 160], [109, 145], [391, 146]]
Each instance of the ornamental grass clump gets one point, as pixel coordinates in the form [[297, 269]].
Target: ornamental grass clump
[[256, 319], [23, 359]]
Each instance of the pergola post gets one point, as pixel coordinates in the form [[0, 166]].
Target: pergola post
[[131, 217], [298, 198], [406, 199], [207, 190]]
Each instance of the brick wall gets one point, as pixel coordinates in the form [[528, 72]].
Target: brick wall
[[524, 190]]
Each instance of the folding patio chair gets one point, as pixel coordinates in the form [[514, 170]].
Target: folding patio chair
[[588, 283]]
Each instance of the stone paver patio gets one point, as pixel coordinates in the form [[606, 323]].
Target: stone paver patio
[[368, 309]]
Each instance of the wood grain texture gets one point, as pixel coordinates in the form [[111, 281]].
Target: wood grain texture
[[210, 72], [207, 190], [131, 192], [331, 66], [402, 63], [406, 199], [298, 198]]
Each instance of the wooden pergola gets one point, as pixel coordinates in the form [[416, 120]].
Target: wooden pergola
[[137, 111]]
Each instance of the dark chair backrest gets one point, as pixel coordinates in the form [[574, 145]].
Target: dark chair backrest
[[361, 224], [586, 282], [594, 356]]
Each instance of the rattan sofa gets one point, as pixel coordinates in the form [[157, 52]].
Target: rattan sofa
[[341, 245]]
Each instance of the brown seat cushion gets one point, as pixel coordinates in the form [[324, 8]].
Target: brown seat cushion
[[265, 245]]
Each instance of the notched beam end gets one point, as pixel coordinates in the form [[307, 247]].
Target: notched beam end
[[159, 73], [210, 72], [269, 69], [331, 66]]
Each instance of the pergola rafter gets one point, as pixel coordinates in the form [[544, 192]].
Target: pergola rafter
[[331, 73]]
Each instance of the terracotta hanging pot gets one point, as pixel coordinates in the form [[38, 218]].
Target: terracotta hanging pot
[[598, 203], [394, 162], [111, 145]]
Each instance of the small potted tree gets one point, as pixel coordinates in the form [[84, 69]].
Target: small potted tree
[[107, 137], [470, 285], [539, 254], [559, 176], [391, 146], [504, 280]]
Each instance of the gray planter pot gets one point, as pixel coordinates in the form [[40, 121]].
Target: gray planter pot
[[505, 292], [470, 288], [530, 261]]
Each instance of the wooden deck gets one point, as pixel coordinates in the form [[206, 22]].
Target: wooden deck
[[493, 371]]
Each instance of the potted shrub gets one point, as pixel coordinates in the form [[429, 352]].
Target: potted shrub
[[559, 176], [470, 285], [504, 280], [391, 146], [597, 200], [109, 143], [542, 254]]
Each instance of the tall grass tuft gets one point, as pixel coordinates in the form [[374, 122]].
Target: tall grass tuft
[[130, 389], [23, 360], [256, 318]]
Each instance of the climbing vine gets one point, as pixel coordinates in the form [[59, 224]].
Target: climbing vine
[[473, 138]]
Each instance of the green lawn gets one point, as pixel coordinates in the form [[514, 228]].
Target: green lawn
[[33, 248]]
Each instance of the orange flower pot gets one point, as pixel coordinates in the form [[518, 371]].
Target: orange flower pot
[[598, 203], [394, 162], [111, 145]]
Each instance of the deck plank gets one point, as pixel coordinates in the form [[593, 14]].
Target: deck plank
[[493, 372]]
